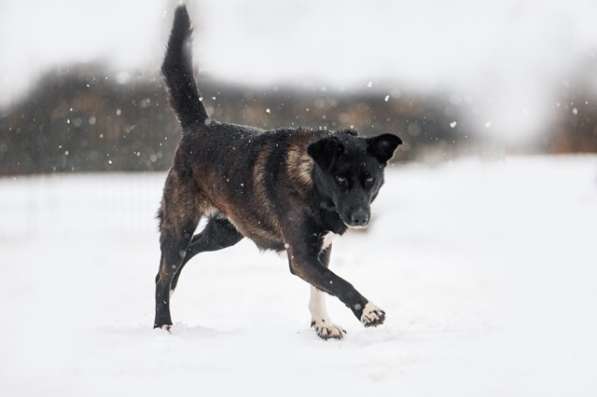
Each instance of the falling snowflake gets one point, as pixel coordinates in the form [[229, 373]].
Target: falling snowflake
[[387, 98], [268, 111], [453, 124]]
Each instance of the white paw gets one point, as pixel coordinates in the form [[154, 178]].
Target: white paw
[[165, 328], [372, 315], [325, 329]]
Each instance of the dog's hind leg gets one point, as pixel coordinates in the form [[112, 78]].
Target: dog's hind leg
[[320, 321], [179, 215], [218, 234]]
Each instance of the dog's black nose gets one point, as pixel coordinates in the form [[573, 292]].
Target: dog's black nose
[[359, 218]]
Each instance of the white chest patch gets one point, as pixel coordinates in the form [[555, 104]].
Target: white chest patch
[[328, 239]]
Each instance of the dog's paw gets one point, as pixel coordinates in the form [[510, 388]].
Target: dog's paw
[[325, 329], [372, 315], [164, 328]]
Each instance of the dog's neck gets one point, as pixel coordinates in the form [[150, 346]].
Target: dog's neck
[[328, 216], [331, 221]]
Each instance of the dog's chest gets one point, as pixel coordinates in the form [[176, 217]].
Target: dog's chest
[[328, 239]]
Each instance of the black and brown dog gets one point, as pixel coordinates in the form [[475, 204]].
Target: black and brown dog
[[287, 189]]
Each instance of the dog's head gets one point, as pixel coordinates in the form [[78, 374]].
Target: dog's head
[[349, 172]]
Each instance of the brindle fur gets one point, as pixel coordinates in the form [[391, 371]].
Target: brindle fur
[[248, 183]]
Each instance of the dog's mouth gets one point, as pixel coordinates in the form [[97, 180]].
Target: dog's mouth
[[356, 227], [352, 226], [357, 219], [330, 206]]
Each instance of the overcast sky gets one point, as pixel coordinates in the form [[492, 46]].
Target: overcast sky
[[506, 58]]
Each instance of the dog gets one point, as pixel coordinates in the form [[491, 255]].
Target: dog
[[286, 190]]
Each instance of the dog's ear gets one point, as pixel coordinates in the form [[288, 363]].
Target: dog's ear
[[325, 151], [382, 146], [350, 131]]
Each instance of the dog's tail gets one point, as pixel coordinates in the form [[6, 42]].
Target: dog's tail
[[178, 71]]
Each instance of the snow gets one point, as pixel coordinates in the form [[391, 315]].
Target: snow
[[485, 269]]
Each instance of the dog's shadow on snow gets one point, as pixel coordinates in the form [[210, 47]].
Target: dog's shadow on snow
[[356, 338], [363, 338], [179, 330]]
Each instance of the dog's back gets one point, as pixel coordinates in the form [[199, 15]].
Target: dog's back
[[247, 176], [241, 173]]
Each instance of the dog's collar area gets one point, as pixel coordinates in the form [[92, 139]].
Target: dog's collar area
[[331, 220]]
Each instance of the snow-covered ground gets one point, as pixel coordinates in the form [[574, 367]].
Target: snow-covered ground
[[487, 272]]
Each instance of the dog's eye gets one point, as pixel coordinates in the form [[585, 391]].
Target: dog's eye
[[369, 181], [341, 180]]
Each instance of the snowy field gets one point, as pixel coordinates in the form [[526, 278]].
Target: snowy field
[[487, 271]]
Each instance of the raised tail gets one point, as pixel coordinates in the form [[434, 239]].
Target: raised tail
[[178, 71]]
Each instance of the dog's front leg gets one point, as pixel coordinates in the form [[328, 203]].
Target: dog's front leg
[[305, 262], [320, 320]]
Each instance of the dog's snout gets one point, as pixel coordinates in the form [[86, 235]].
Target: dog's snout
[[359, 217]]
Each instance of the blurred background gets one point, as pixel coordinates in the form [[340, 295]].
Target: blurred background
[[81, 89]]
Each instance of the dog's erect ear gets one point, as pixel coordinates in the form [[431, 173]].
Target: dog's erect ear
[[350, 131], [382, 146], [325, 151]]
